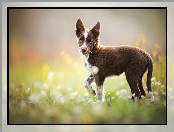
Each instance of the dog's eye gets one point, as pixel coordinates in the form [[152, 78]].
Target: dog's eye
[[81, 39]]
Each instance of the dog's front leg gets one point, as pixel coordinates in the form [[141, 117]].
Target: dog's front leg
[[87, 84]]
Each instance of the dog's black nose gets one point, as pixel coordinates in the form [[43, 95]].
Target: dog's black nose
[[84, 50]]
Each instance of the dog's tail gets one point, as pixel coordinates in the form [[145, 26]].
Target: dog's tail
[[149, 74]]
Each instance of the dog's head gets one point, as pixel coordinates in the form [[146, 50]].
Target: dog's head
[[87, 38]]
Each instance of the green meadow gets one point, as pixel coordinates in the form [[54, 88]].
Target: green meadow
[[54, 94]]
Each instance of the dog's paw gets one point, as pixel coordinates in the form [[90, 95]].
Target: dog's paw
[[93, 92]]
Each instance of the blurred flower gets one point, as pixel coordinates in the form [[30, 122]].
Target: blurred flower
[[43, 92], [86, 94], [58, 87], [123, 93], [34, 97], [69, 89], [112, 98], [62, 100], [158, 83], [28, 89], [90, 101], [73, 95], [50, 76], [98, 108], [45, 85], [153, 79]]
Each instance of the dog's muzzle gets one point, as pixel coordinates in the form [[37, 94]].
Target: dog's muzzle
[[84, 50]]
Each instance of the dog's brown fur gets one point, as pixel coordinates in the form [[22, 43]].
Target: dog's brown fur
[[114, 60]]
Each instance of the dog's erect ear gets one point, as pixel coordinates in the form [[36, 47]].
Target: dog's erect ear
[[96, 30], [79, 27]]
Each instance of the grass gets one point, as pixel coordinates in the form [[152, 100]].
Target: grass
[[49, 94]]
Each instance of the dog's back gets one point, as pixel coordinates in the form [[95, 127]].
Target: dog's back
[[115, 60]]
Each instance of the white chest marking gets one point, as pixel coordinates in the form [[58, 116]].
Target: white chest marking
[[88, 66]]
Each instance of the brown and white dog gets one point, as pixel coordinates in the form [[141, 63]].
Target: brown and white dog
[[103, 61]]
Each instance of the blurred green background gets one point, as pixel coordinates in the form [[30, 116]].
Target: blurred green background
[[46, 71]]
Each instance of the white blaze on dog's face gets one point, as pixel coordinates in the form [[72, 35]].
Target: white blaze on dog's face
[[86, 39]]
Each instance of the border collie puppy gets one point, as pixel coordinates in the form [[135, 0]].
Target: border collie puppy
[[103, 61]]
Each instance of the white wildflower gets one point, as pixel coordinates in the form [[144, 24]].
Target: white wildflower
[[45, 85], [123, 91], [34, 97], [86, 94], [28, 89], [158, 83], [58, 87], [62, 100], [112, 98], [43, 92], [129, 97], [118, 93], [90, 101], [153, 79], [73, 95], [69, 89], [142, 96], [50, 76]]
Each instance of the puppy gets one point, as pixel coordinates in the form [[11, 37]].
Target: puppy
[[104, 61]]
